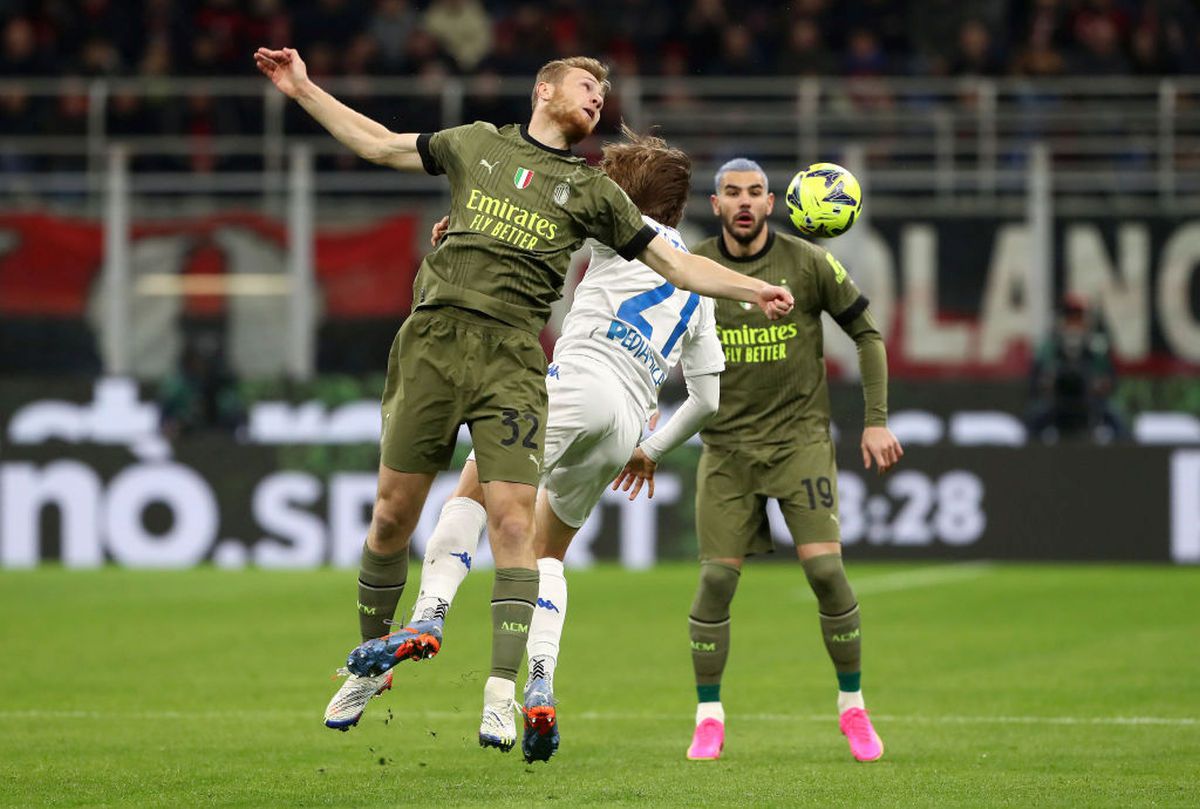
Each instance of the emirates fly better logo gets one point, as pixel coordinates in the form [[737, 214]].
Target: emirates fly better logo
[[522, 178]]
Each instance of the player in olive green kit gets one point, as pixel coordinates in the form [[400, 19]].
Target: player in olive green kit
[[771, 439], [520, 204]]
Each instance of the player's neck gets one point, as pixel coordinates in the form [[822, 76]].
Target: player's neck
[[546, 132], [737, 249]]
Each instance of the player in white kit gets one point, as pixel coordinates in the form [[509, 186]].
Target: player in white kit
[[626, 329]]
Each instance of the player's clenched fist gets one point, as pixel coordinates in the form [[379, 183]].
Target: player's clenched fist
[[283, 67], [775, 301]]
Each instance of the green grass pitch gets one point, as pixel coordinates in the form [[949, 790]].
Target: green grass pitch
[[991, 685]]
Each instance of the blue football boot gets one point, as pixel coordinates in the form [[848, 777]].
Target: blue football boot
[[416, 641], [540, 739]]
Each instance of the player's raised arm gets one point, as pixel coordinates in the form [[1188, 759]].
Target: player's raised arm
[[368, 139], [707, 277]]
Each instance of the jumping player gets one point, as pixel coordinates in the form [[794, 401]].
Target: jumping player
[[520, 204], [625, 331], [771, 439]]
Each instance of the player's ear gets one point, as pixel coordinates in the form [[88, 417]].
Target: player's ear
[[716, 208], [770, 203], [544, 90]]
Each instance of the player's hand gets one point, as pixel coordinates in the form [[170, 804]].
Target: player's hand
[[284, 68], [775, 301], [439, 230], [639, 470], [880, 445], [652, 422]]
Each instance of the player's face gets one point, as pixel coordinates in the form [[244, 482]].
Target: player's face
[[574, 104], [743, 204]]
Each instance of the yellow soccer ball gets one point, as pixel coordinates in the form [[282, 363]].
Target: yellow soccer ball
[[824, 200]]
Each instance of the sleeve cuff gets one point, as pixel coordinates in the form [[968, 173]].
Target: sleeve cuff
[[428, 161], [852, 312], [634, 247]]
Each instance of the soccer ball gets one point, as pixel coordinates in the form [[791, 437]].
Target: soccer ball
[[823, 200]]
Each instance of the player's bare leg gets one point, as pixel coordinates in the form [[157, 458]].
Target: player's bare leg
[[708, 626], [382, 575], [541, 737], [510, 509], [840, 628]]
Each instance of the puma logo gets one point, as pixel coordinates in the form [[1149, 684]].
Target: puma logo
[[487, 165]]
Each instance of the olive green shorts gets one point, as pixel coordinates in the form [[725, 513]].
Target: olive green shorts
[[733, 486], [450, 366]]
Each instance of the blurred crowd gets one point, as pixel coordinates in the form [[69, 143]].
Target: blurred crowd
[[651, 37]]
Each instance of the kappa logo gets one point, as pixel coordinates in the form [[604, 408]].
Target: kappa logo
[[547, 604], [488, 166], [463, 557], [552, 371]]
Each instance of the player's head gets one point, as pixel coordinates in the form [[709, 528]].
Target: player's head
[[742, 199], [656, 176], [571, 92]]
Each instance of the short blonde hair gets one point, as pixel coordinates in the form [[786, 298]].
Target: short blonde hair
[[553, 72]]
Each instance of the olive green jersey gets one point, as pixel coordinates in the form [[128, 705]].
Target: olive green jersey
[[773, 389], [518, 209]]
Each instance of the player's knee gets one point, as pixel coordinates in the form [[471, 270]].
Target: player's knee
[[718, 583], [827, 578], [512, 529], [392, 522]]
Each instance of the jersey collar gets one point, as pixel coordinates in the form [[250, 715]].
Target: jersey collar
[[747, 259], [530, 139]]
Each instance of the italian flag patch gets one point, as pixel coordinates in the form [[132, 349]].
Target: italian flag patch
[[522, 178]]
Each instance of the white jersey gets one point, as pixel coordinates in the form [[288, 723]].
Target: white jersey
[[630, 318]]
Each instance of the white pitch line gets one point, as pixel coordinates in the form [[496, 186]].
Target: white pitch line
[[598, 716], [921, 577]]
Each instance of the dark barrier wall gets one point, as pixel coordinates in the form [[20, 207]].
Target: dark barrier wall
[[234, 504], [954, 296]]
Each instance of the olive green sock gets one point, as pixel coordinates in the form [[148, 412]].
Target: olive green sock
[[381, 579], [708, 624], [838, 611], [513, 596]]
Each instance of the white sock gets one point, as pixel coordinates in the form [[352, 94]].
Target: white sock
[[448, 556], [850, 699], [498, 689], [710, 710], [545, 632]]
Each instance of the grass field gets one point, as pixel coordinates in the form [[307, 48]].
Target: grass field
[[990, 685]]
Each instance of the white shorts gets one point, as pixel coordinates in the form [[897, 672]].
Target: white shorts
[[592, 427]]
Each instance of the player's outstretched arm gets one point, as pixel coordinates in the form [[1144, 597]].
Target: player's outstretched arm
[[707, 277], [704, 396], [368, 139]]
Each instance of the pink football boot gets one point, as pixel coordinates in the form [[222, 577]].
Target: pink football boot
[[865, 743], [708, 741]]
